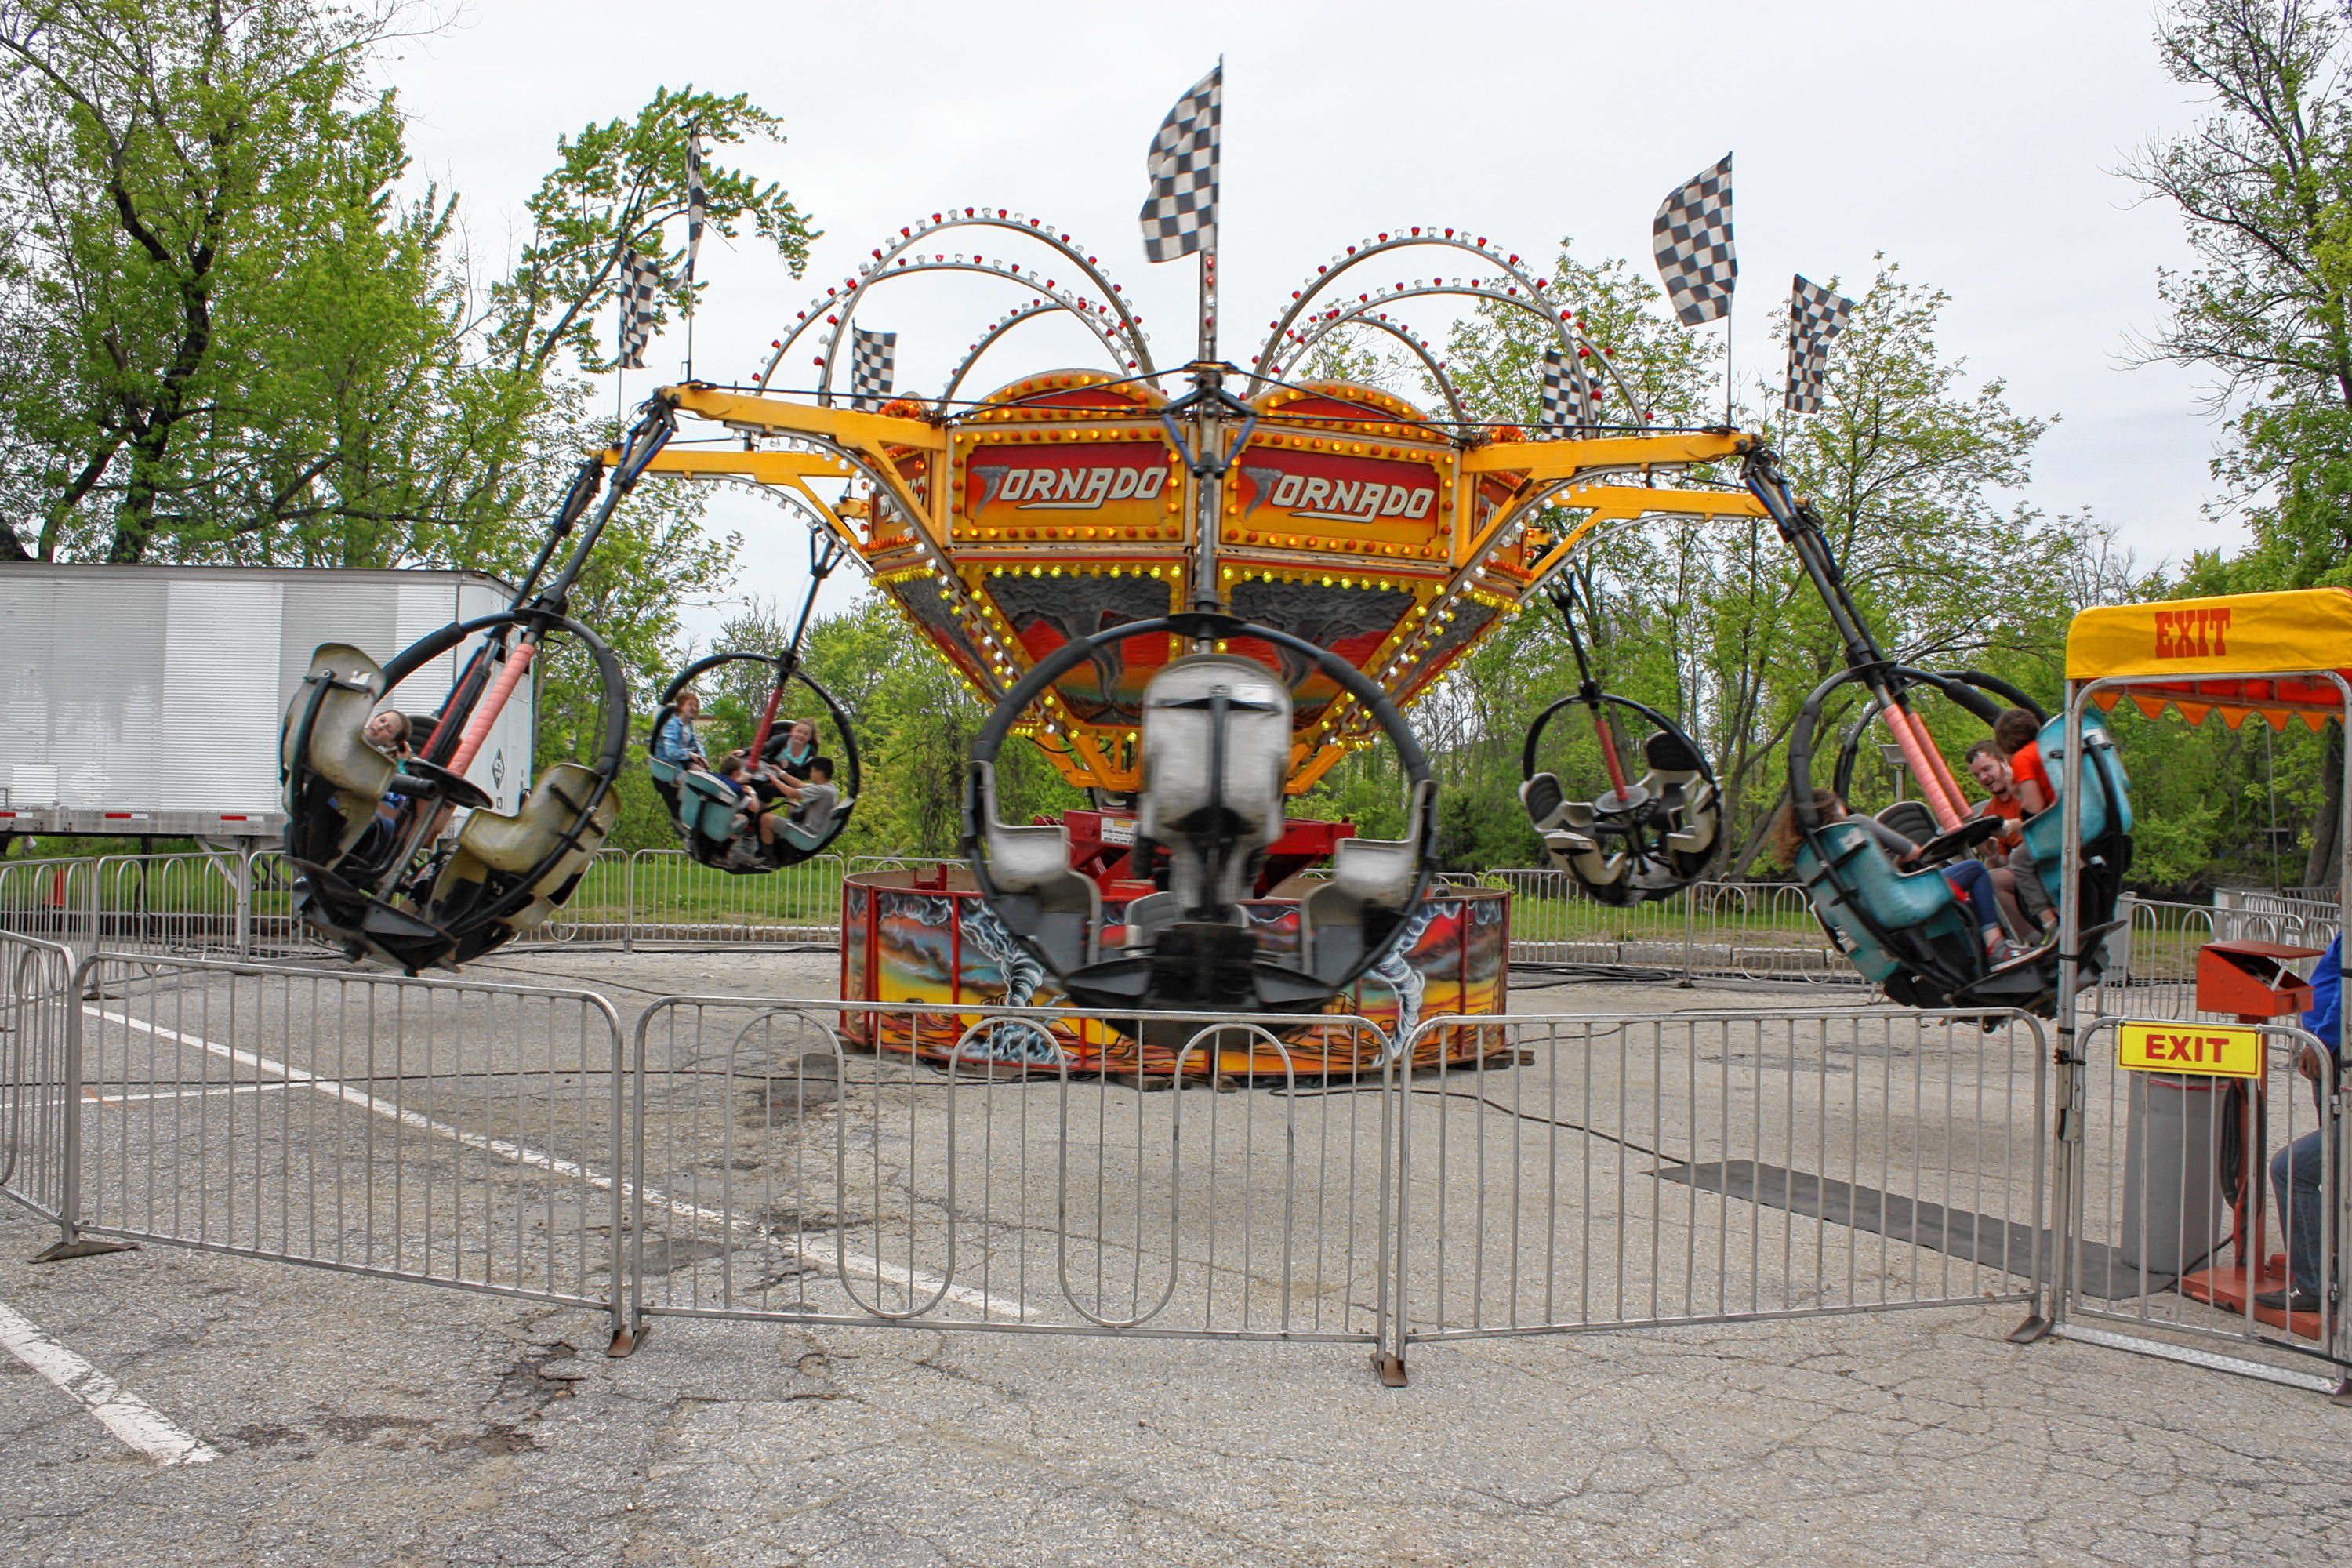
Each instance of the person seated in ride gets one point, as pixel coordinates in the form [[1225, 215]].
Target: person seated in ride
[[810, 808], [1970, 882], [675, 743], [2020, 734], [813, 800], [2014, 878], [387, 731], [793, 754]]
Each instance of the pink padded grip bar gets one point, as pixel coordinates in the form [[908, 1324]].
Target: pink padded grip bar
[[477, 727]]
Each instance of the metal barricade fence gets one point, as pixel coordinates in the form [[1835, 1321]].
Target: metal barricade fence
[[1747, 931], [674, 900], [37, 1002], [47, 899], [800, 1162], [2291, 909], [2172, 1174], [598, 909], [452, 1131], [185, 903], [1621, 1171], [1760, 931]]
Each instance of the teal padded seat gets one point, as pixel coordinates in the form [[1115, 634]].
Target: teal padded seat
[[2046, 831], [1918, 901], [706, 805]]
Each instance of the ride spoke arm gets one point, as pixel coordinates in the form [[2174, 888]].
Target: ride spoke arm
[[760, 414]]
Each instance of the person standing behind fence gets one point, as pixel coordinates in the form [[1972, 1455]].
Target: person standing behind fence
[[2296, 1170]]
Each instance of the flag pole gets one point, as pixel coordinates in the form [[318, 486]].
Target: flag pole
[[1209, 250], [1727, 360], [695, 205]]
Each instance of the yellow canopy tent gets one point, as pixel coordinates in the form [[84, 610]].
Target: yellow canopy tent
[[2237, 655]]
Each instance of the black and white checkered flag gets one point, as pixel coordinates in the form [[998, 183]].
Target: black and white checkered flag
[[1692, 239], [698, 201], [1181, 214], [873, 366], [639, 283], [1559, 407], [1815, 316]]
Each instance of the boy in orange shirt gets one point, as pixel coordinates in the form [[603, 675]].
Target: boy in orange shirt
[[1989, 764]]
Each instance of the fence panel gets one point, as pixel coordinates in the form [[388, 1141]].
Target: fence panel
[[447, 1131], [1592, 1171], [790, 1172], [673, 899], [184, 903], [47, 899], [2174, 1175], [37, 1002]]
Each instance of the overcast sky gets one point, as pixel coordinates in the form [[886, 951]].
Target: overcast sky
[[1973, 145]]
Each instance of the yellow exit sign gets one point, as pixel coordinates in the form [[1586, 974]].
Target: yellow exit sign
[[2212, 1051]]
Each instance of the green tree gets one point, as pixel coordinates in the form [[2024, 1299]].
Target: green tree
[[231, 338], [2263, 183]]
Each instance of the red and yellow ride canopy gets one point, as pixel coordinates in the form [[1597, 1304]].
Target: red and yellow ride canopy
[[1060, 507]]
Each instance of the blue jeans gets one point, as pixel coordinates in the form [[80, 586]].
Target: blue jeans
[[2295, 1178], [1969, 879]]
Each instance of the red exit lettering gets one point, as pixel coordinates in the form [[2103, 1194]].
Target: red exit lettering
[[2186, 1047], [2199, 633]]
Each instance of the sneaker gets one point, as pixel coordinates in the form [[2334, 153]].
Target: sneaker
[[2289, 1300]]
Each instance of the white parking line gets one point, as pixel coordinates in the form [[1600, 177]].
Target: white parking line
[[118, 1099], [127, 1416], [911, 1280]]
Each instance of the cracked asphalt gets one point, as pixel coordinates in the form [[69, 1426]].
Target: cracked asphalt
[[366, 1421]]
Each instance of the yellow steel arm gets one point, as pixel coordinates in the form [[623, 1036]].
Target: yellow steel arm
[[1605, 504], [760, 467], [1542, 460], [783, 416]]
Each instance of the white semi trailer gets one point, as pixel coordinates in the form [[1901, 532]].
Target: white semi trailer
[[145, 701]]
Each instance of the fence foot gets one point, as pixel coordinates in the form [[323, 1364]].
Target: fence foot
[[625, 1342], [82, 1247], [2343, 1395], [1390, 1368], [2034, 1328]]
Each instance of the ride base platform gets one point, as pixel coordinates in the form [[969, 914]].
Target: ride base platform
[[925, 938]]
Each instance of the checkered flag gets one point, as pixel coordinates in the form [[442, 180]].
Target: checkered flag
[[1181, 214], [698, 201], [1692, 239], [1559, 407], [639, 283], [1815, 316], [872, 365]]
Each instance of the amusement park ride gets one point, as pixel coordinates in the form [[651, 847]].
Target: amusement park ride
[[1195, 588]]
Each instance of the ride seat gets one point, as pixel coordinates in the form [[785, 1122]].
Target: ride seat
[[344, 684], [1677, 782], [808, 841], [516, 844], [1038, 895], [2105, 782], [1895, 898], [1358, 908], [705, 803], [1214, 800], [1563, 825]]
